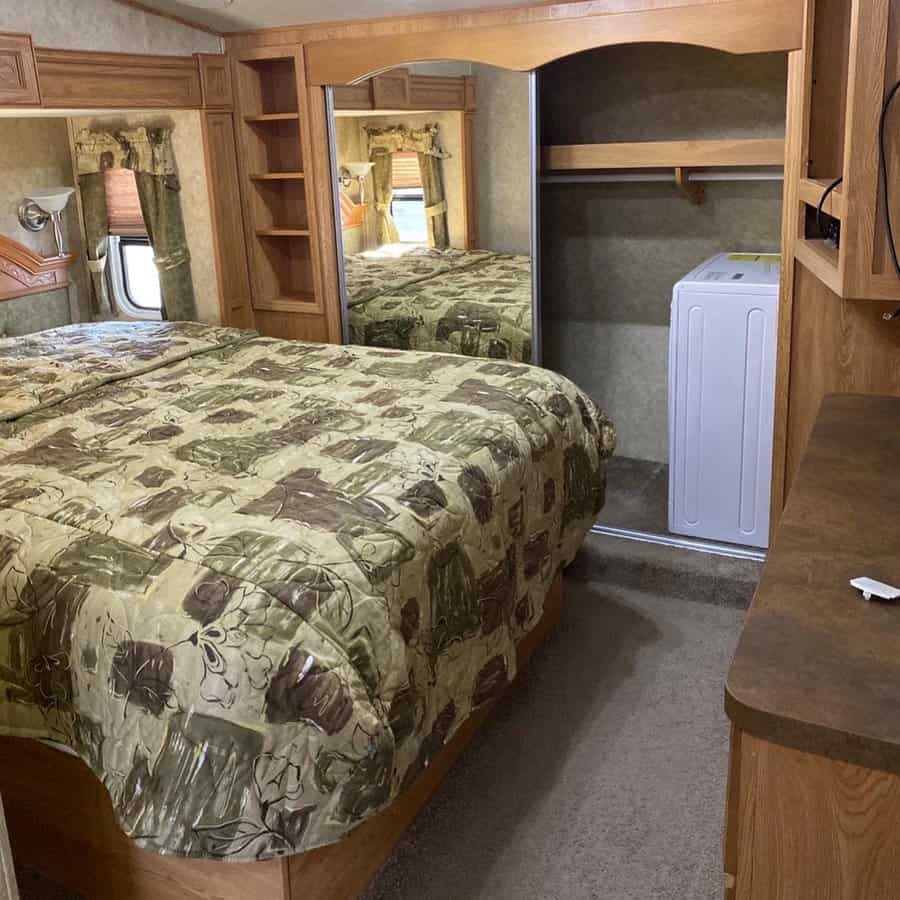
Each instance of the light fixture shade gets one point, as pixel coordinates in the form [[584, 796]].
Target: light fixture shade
[[52, 200], [359, 169]]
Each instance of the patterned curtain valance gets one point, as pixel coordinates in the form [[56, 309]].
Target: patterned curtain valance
[[140, 149], [402, 139]]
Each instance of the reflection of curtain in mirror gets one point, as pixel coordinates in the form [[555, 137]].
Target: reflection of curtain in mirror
[[382, 179], [435, 204], [148, 152]]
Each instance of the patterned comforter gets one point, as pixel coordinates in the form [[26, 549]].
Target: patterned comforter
[[256, 584], [477, 303]]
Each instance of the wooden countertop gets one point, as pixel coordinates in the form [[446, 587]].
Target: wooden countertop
[[817, 667]]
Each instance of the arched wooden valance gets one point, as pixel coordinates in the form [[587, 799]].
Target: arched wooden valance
[[735, 26]]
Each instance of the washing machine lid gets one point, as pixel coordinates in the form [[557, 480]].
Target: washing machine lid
[[728, 271]]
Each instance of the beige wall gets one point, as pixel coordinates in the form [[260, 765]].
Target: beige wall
[[187, 139], [102, 25], [350, 136], [34, 153]]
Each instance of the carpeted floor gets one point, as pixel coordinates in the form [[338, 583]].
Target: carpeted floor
[[602, 773]]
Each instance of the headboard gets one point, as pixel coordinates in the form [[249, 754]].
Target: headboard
[[23, 272]]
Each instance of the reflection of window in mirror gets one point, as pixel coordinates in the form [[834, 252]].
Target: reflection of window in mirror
[[408, 202], [133, 277]]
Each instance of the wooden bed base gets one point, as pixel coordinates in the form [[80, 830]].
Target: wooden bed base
[[61, 824]]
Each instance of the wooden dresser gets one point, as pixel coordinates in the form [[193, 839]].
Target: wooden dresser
[[813, 693]]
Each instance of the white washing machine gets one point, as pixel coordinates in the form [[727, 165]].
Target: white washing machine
[[722, 398]]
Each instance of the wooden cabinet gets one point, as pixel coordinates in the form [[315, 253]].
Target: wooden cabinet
[[18, 75], [279, 203], [813, 802]]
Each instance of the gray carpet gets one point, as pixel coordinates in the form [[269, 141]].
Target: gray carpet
[[637, 495], [602, 775]]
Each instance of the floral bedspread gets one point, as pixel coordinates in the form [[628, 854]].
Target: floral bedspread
[[256, 584], [477, 303]]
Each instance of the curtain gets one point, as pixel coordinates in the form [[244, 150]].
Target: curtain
[[423, 142], [96, 231], [148, 153], [382, 180], [435, 204]]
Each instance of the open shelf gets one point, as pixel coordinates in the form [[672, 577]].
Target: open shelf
[[268, 88], [272, 117], [276, 176], [664, 154], [811, 190]]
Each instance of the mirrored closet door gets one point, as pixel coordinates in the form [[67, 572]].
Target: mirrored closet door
[[434, 180]]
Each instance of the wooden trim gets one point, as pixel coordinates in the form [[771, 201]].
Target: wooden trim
[[229, 244], [18, 73], [24, 272], [319, 160], [81, 79], [215, 80], [811, 190], [400, 89], [664, 154], [821, 259], [172, 17], [54, 801], [470, 179], [736, 26]]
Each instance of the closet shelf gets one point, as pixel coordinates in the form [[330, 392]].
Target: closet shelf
[[273, 117], [282, 232], [664, 154], [276, 176], [811, 190]]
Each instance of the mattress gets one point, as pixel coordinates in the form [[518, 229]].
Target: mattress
[[477, 303], [255, 584]]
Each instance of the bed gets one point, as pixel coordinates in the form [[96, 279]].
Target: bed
[[473, 302], [258, 586]]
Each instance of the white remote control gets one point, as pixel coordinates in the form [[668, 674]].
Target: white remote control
[[871, 588]]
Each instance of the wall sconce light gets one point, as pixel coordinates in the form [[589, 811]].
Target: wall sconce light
[[355, 171], [43, 206]]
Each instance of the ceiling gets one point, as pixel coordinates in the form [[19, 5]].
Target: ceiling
[[243, 15]]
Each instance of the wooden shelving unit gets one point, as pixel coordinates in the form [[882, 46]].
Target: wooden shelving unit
[[278, 200], [664, 155]]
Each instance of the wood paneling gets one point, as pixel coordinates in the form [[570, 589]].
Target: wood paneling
[[837, 346], [810, 827], [24, 272], [664, 154], [524, 43], [400, 89], [81, 79], [18, 76], [390, 90], [227, 221], [215, 80]]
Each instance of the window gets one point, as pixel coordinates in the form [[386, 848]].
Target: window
[[135, 280], [132, 273], [408, 204]]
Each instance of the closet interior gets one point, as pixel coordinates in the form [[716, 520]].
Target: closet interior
[[656, 157]]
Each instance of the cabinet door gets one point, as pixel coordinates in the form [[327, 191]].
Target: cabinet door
[[18, 75]]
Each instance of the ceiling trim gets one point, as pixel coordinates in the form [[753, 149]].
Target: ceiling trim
[[172, 17]]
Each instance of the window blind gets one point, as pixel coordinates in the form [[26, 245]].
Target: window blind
[[123, 207], [406, 172]]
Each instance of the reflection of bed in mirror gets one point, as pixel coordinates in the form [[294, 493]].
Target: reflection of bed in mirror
[[435, 209], [473, 302]]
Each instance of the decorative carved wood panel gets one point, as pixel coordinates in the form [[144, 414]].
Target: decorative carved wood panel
[[23, 272], [18, 77], [215, 80]]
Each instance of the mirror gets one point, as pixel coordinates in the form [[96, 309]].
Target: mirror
[[434, 180]]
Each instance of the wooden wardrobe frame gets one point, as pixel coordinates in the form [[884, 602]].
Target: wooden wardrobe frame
[[61, 823]]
